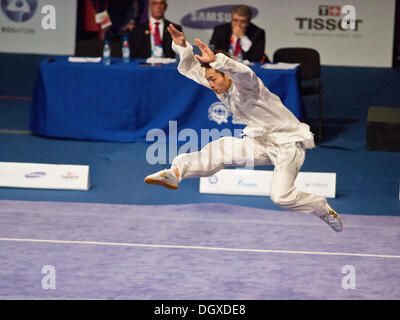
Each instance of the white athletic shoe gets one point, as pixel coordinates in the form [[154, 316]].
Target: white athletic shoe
[[165, 178], [332, 218]]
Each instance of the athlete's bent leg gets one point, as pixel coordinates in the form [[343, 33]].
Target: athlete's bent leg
[[289, 159]]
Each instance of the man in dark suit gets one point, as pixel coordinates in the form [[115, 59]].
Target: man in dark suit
[[124, 15], [151, 38], [240, 38]]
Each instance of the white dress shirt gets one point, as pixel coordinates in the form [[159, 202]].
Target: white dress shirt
[[153, 28], [249, 100], [245, 42]]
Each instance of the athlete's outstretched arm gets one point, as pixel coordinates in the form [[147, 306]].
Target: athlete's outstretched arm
[[241, 75], [189, 66]]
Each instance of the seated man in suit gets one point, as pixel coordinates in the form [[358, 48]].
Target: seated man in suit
[[240, 38], [152, 38]]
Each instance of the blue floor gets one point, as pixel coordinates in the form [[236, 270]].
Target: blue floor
[[200, 251], [367, 182], [124, 239]]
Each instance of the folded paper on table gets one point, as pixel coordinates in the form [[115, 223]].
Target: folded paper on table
[[280, 65], [84, 59], [160, 60]]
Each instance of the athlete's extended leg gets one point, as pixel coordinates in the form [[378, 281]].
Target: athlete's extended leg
[[218, 154], [288, 160]]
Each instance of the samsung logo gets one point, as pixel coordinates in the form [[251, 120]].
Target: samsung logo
[[37, 174], [208, 18]]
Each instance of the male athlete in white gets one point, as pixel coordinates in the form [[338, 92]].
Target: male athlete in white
[[273, 135]]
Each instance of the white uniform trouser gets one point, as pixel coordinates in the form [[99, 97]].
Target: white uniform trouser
[[230, 151]]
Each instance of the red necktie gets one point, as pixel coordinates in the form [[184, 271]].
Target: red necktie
[[238, 49], [157, 37]]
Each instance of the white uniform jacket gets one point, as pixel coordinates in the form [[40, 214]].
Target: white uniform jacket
[[267, 119]]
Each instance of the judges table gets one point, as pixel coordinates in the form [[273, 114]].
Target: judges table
[[122, 102]]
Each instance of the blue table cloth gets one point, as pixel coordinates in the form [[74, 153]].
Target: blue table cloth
[[123, 102]]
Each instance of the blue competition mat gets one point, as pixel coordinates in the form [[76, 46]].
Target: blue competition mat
[[58, 250]]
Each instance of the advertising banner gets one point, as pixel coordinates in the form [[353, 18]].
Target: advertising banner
[[258, 182], [44, 176], [38, 26], [359, 33]]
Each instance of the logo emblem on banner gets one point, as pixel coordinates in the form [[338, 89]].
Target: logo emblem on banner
[[324, 10], [213, 179], [37, 174], [19, 10], [208, 18], [331, 18], [243, 183], [70, 175], [218, 112]]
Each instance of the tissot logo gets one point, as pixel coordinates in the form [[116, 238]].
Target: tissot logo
[[331, 18], [70, 175], [334, 11], [208, 18]]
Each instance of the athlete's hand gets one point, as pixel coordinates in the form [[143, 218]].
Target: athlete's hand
[[207, 55], [177, 36]]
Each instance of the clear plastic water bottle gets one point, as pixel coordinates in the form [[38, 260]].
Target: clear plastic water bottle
[[106, 54], [126, 52], [230, 52], [239, 57]]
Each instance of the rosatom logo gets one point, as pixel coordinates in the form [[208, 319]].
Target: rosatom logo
[[213, 179], [19, 10], [208, 18]]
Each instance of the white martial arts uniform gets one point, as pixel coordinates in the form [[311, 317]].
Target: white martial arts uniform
[[273, 135]]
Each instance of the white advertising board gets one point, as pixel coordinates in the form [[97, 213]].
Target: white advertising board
[[306, 23], [44, 176], [258, 182], [38, 26]]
